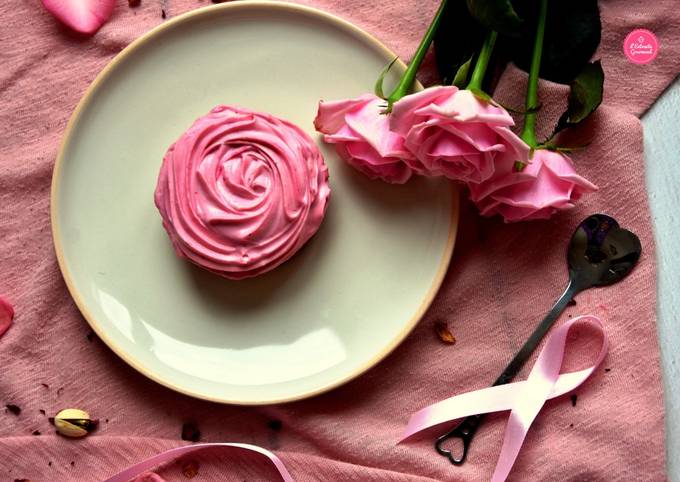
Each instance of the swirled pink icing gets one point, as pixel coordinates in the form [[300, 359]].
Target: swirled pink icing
[[241, 191]]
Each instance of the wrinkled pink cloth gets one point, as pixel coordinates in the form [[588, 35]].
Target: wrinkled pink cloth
[[501, 281]]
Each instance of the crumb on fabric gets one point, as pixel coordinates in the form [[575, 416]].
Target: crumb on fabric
[[13, 409], [190, 432], [275, 425], [444, 334], [190, 469]]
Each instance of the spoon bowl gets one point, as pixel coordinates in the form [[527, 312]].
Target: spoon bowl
[[601, 252]]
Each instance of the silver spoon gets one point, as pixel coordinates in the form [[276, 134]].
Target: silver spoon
[[600, 253]]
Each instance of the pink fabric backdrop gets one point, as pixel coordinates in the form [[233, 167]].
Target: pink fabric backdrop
[[501, 281]]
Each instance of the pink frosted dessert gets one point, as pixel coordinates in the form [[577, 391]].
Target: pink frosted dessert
[[240, 192]]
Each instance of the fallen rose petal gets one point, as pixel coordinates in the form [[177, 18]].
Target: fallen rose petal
[[84, 16], [6, 315]]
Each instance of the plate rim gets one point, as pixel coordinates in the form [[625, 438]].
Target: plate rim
[[67, 136]]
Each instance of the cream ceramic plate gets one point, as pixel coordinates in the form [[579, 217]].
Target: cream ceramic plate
[[330, 313]]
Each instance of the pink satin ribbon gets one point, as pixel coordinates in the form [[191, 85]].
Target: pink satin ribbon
[[524, 399], [172, 454]]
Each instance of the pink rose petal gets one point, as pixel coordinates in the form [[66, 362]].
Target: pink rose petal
[[464, 106], [6, 315], [331, 115], [84, 16], [406, 108]]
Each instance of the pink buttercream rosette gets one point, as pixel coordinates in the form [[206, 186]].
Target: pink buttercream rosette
[[240, 192]]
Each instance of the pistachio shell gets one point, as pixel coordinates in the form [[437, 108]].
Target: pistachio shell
[[72, 422]]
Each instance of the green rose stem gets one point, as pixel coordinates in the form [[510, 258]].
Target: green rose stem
[[529, 131], [409, 76], [478, 74]]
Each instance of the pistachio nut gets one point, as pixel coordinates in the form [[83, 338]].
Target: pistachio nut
[[74, 423]]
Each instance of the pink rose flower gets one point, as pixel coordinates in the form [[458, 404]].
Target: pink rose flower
[[451, 132], [362, 137], [547, 184], [6, 315], [84, 16]]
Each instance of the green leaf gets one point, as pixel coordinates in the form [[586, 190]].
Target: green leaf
[[571, 38], [461, 78], [498, 15], [585, 96], [512, 110], [567, 149], [381, 79], [572, 34]]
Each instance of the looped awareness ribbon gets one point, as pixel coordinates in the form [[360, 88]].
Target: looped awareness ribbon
[[524, 399], [169, 455]]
